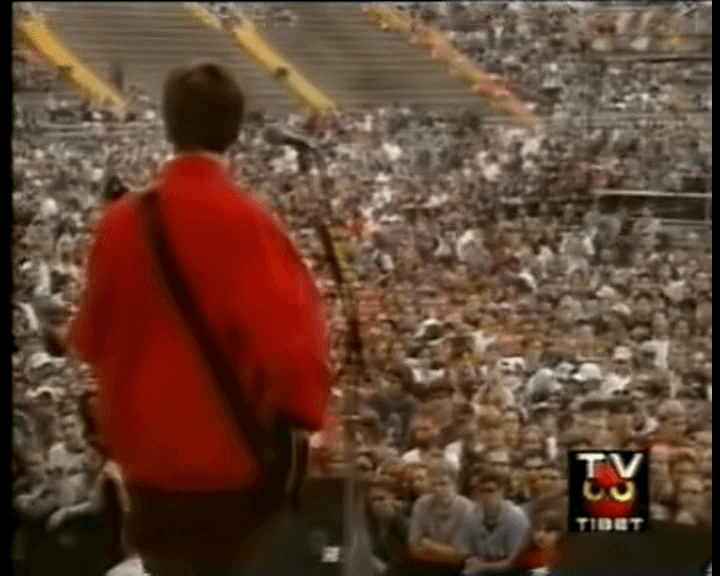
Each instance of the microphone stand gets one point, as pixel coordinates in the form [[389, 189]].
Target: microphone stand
[[355, 363], [353, 345]]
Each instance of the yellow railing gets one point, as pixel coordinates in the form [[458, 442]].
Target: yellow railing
[[245, 33], [491, 88], [202, 16], [36, 31]]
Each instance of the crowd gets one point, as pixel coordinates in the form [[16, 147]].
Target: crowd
[[29, 74], [263, 14], [544, 53], [505, 320]]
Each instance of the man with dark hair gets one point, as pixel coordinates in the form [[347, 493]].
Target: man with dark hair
[[198, 497], [388, 528], [425, 433], [496, 530], [202, 109], [437, 522], [547, 488]]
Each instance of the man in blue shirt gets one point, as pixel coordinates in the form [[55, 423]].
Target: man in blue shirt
[[496, 530]]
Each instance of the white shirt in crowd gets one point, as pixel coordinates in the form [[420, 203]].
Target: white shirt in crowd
[[453, 453], [614, 383], [42, 288], [662, 350], [414, 457]]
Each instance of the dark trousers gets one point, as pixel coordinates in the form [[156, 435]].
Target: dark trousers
[[184, 534]]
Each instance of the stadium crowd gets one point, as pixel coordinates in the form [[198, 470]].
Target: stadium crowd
[[505, 319]]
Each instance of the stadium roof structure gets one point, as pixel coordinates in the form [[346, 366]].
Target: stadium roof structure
[[334, 45]]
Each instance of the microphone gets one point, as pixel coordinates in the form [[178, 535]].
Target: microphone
[[304, 149], [277, 136]]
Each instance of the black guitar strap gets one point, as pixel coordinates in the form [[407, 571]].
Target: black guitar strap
[[268, 445]]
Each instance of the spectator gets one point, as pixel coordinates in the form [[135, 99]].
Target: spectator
[[96, 522], [672, 425], [437, 522], [648, 377], [492, 430], [496, 530], [532, 439], [425, 434], [416, 482], [513, 423], [544, 488], [388, 529], [621, 420], [33, 507], [531, 463], [540, 551], [66, 462], [690, 501], [464, 453], [620, 378], [498, 460], [681, 465]]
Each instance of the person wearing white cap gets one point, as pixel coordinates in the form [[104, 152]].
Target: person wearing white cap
[[621, 375], [589, 376], [607, 294], [541, 385], [48, 209]]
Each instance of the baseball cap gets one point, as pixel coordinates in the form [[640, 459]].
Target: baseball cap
[[621, 310], [622, 353], [588, 372], [607, 293], [542, 384], [647, 349]]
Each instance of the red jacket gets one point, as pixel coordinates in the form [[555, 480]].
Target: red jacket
[[157, 413]]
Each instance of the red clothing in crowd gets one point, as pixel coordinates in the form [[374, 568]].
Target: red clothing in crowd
[[158, 414], [533, 558]]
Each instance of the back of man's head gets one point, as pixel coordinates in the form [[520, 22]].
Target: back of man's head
[[202, 109]]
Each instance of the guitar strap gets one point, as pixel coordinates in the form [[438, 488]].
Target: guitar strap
[[272, 445]]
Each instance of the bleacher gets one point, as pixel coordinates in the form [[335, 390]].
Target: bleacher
[[359, 65], [149, 39]]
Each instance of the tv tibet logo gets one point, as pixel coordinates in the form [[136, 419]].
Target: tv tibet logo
[[608, 491]]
